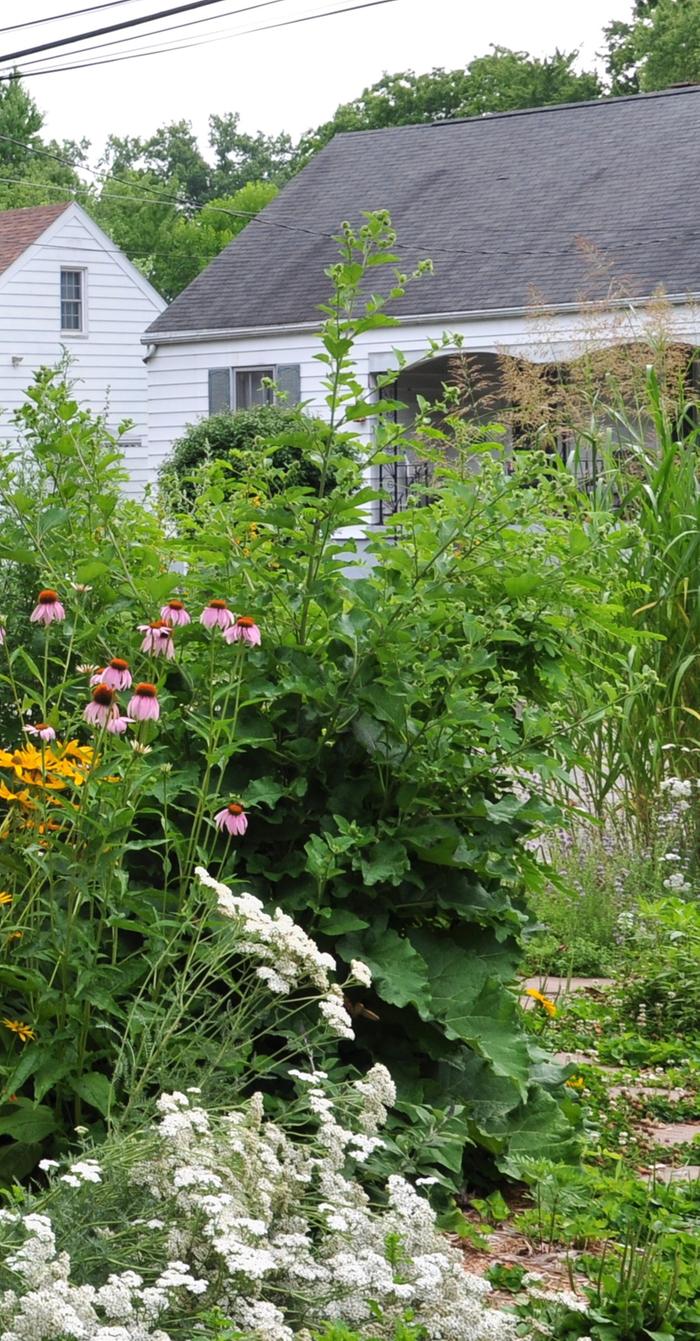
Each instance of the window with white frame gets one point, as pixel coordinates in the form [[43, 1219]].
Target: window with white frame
[[245, 388], [72, 301], [253, 387]]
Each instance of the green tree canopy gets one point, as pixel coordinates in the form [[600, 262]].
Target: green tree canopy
[[658, 48], [501, 81]]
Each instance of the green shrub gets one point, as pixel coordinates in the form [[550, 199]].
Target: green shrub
[[240, 438], [392, 740], [660, 985]]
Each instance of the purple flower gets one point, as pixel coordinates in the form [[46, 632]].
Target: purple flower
[[232, 819], [158, 640], [216, 615], [47, 608], [42, 730], [144, 705], [118, 725], [174, 612], [103, 707], [117, 674], [245, 630]]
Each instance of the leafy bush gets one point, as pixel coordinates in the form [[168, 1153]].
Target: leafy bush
[[391, 739], [660, 988], [240, 438]]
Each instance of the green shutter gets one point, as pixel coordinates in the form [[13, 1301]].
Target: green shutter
[[288, 381], [219, 389]]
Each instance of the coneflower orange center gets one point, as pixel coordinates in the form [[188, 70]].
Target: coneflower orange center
[[175, 605], [48, 596], [41, 726], [103, 695], [145, 690], [234, 808], [118, 663], [245, 622], [159, 624], [218, 604]]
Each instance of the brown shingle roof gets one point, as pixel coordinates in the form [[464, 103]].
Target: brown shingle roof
[[19, 228]]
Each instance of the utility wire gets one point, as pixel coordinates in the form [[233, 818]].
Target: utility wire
[[171, 28], [112, 60], [403, 240], [112, 28], [69, 14]]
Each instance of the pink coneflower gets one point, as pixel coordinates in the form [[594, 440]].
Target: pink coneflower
[[97, 676], [2, 635], [118, 725], [232, 819], [245, 630], [174, 612], [42, 730], [117, 674], [144, 705], [47, 608], [216, 615], [103, 708], [158, 640]]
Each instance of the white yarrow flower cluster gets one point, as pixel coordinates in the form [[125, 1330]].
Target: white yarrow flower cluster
[[291, 955]]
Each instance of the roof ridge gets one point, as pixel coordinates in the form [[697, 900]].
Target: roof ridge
[[671, 92]]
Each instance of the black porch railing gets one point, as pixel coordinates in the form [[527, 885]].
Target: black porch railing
[[402, 484]]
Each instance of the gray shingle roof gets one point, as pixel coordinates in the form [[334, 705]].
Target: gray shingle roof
[[497, 202]]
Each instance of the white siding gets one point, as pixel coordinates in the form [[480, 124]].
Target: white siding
[[109, 367], [178, 370]]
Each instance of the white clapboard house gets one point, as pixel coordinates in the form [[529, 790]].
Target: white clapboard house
[[505, 205], [64, 285]]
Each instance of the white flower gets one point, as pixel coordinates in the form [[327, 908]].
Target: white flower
[[360, 973]]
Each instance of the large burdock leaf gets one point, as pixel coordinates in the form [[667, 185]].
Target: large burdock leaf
[[471, 1003], [536, 1128], [399, 971]]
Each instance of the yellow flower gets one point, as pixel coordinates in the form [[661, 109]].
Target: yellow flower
[[15, 936], [23, 1031], [575, 1082], [5, 897], [549, 1006]]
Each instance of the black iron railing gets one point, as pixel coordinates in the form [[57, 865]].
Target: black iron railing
[[402, 484]]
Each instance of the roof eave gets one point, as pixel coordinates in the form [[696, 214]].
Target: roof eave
[[414, 319]]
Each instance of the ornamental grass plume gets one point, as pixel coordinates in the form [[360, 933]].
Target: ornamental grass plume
[[158, 640], [41, 729], [244, 630], [174, 612], [117, 674], [144, 705], [232, 819], [103, 707], [216, 615], [48, 608]]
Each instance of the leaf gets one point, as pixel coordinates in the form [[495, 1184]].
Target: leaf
[[87, 572], [29, 1124], [338, 921], [96, 1090], [534, 1128], [29, 1062], [521, 584], [399, 972], [385, 861], [263, 791], [472, 1004]]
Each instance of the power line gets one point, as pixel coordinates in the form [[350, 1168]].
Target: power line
[[403, 240], [69, 14], [245, 32], [111, 28], [171, 28]]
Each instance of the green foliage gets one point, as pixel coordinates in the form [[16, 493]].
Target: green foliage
[[244, 439], [658, 48], [393, 738], [501, 81], [660, 989]]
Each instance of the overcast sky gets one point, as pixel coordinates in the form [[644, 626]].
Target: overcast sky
[[285, 79]]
